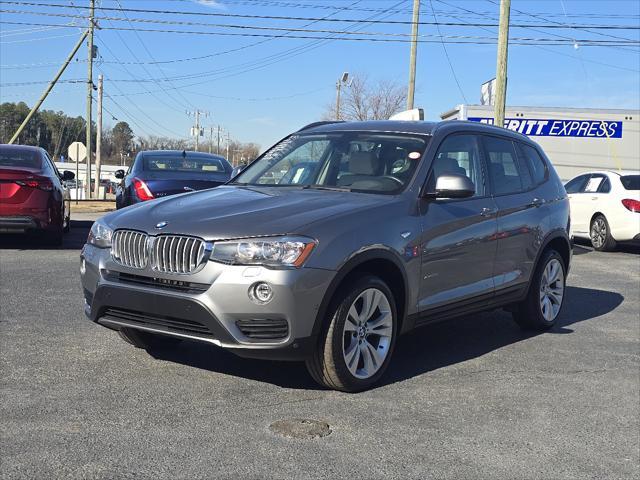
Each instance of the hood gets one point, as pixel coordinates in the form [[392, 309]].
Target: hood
[[236, 211]]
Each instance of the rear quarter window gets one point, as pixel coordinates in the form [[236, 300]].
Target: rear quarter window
[[536, 164], [630, 182]]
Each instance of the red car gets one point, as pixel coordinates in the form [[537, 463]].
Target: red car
[[33, 196]]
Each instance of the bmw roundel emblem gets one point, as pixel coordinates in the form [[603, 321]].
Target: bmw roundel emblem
[[161, 225]]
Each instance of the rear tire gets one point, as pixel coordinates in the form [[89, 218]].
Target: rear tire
[[543, 304], [600, 234], [357, 341], [146, 340]]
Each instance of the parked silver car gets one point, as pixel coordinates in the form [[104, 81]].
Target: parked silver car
[[337, 240]]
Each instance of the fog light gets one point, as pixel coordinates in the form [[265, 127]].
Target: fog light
[[261, 293], [83, 267]]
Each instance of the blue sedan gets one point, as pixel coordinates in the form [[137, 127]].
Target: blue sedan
[[159, 173]]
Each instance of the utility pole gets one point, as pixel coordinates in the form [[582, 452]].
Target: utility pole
[[414, 53], [338, 100], [218, 150], [48, 89], [501, 67], [210, 139], [99, 137], [89, 93], [197, 130], [228, 142]]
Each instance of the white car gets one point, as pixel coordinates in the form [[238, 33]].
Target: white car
[[605, 207]]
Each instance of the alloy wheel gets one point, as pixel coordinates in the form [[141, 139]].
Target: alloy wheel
[[367, 333], [551, 290], [598, 232]]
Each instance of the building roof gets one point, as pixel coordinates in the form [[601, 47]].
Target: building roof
[[489, 108]]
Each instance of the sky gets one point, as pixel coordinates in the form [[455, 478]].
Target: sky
[[260, 88]]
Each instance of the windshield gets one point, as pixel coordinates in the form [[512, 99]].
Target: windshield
[[20, 157], [355, 161], [631, 182], [199, 164]]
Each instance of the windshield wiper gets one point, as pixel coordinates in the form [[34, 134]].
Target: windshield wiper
[[326, 187]]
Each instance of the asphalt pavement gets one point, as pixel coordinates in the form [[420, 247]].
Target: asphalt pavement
[[471, 398]]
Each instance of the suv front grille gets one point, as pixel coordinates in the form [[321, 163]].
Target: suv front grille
[[264, 328], [165, 253], [177, 254], [130, 248]]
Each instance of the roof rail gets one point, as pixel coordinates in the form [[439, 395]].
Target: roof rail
[[317, 124]]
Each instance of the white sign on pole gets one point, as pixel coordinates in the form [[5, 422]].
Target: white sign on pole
[[77, 152], [487, 92]]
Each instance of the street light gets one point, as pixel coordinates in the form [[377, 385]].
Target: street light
[[342, 81]]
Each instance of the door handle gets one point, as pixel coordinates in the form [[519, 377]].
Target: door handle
[[486, 212], [594, 198], [536, 202]]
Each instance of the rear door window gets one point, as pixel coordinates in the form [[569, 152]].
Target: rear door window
[[507, 174], [605, 186], [577, 184], [594, 183]]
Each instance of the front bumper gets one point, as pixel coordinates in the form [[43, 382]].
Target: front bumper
[[212, 305]]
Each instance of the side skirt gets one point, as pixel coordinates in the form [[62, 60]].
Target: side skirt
[[477, 304]]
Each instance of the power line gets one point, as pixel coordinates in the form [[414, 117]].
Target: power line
[[586, 28], [618, 67], [151, 56], [289, 53], [446, 54], [281, 4], [550, 24], [477, 40], [39, 39]]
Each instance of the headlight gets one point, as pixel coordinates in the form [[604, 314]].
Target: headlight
[[273, 252], [100, 235]]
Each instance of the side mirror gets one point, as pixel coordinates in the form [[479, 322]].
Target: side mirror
[[119, 174], [453, 185], [68, 175]]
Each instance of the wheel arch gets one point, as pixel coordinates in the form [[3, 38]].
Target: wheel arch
[[381, 262], [559, 241]]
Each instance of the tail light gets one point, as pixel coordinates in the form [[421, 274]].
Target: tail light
[[43, 184], [142, 191], [631, 204]]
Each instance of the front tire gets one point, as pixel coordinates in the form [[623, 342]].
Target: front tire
[[541, 308], [146, 340], [357, 342], [600, 234]]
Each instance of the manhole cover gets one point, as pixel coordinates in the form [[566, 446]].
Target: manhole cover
[[300, 428]]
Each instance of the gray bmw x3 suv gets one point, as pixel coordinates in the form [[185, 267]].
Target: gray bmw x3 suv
[[334, 242]]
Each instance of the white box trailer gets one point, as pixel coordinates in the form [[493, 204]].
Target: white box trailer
[[575, 139]]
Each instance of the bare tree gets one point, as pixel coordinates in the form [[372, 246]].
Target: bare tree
[[365, 100]]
